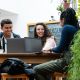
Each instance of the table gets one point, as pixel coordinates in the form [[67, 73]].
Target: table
[[30, 58]]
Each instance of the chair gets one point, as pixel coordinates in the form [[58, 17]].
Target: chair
[[59, 76], [5, 76]]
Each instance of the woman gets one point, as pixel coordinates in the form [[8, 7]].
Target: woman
[[48, 42], [41, 31], [69, 23]]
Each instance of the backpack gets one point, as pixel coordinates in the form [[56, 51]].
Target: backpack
[[13, 66]]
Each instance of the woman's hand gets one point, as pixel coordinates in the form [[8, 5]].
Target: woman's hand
[[47, 51]]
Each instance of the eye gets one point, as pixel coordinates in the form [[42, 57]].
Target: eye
[[42, 29], [10, 27], [6, 27], [38, 29]]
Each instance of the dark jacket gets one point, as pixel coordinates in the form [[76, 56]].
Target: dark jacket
[[15, 35], [1, 35], [67, 35]]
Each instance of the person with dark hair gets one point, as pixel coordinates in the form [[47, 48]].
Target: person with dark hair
[[6, 27], [41, 31], [48, 42], [69, 23]]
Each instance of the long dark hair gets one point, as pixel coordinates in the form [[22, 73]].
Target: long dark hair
[[46, 32], [69, 16]]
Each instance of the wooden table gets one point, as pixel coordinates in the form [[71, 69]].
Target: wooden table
[[30, 57]]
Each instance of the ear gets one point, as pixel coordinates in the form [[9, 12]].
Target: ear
[[62, 22], [62, 19]]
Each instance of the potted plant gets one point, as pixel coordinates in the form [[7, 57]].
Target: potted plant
[[74, 67]]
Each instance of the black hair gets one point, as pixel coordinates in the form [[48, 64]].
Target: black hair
[[69, 16], [5, 21]]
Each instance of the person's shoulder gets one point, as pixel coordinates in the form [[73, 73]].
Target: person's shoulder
[[71, 27], [16, 35], [68, 27]]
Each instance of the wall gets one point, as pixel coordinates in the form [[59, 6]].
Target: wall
[[5, 14], [29, 11]]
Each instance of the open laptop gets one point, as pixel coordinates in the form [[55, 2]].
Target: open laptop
[[24, 45], [16, 45], [33, 45]]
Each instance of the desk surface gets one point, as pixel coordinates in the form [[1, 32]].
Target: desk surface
[[30, 57]]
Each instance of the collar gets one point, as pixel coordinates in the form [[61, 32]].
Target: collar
[[10, 36]]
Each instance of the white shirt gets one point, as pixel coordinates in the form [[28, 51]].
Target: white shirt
[[50, 43], [6, 42]]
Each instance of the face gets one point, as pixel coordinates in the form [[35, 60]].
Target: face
[[7, 29], [62, 22], [40, 30]]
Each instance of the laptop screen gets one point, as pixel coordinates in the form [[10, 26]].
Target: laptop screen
[[33, 45], [16, 45]]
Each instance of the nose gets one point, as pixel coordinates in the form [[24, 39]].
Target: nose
[[41, 30], [9, 30]]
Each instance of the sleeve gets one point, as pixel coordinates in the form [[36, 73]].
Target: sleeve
[[64, 41], [50, 43]]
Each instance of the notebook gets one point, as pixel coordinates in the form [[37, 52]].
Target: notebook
[[33, 45], [16, 45], [24, 45]]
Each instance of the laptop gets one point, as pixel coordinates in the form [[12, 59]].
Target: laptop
[[33, 45], [16, 45], [24, 45]]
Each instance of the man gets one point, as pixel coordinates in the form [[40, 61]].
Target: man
[[6, 27]]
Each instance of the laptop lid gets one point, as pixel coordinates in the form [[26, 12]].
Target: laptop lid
[[33, 45], [16, 45]]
